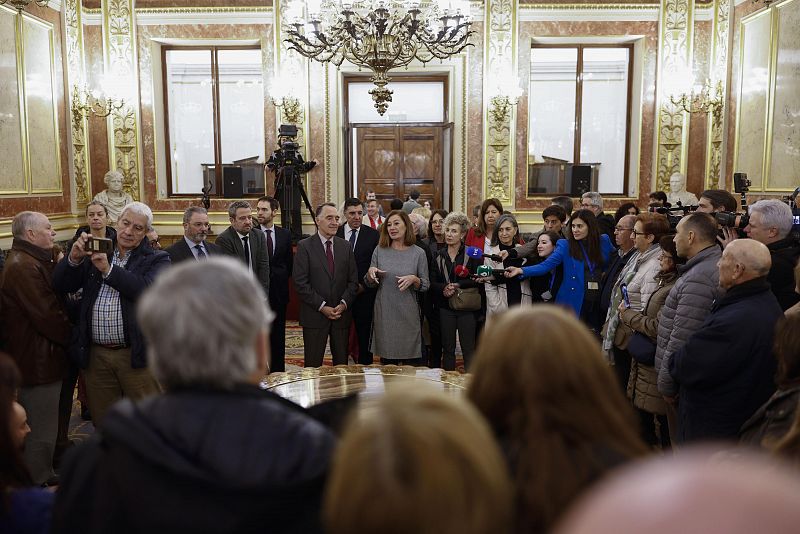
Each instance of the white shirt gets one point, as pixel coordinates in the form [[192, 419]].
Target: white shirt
[[249, 247], [348, 231], [192, 246], [272, 232]]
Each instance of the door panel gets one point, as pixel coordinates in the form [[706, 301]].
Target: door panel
[[393, 160]]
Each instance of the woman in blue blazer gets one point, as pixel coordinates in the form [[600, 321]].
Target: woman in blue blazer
[[584, 256]]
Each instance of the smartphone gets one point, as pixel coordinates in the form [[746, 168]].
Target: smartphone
[[624, 289], [99, 244]]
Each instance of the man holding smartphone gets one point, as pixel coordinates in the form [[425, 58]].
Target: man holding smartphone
[[110, 347]]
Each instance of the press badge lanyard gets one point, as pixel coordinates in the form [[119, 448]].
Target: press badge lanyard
[[591, 270]]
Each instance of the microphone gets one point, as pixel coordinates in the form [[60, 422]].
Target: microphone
[[475, 252], [461, 271], [485, 271]]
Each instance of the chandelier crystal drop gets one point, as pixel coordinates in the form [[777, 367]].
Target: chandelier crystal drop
[[378, 35]]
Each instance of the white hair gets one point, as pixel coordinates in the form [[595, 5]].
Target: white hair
[[201, 320], [24, 221], [595, 198], [139, 208], [774, 213]]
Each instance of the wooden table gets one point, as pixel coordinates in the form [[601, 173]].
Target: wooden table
[[313, 385]]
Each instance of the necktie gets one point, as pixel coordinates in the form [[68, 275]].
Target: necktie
[[269, 242], [200, 254], [353, 234], [246, 251], [372, 223], [329, 254]]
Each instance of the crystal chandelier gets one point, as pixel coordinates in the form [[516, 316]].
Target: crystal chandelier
[[379, 35], [19, 5]]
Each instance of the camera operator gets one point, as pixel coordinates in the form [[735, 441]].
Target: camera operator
[[716, 200], [771, 223]]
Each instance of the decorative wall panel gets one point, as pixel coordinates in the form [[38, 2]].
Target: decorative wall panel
[[73, 29], [676, 24], [121, 66], [12, 170], [718, 75]]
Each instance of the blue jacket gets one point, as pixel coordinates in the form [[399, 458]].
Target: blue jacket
[[574, 285], [726, 369], [131, 281]]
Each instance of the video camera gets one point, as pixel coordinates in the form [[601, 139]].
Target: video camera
[[287, 154], [730, 219], [791, 200], [674, 215]]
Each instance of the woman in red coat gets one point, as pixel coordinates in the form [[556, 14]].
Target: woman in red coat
[[481, 236]]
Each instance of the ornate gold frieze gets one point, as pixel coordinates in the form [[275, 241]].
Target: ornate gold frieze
[[120, 65], [75, 78], [499, 63], [676, 22], [718, 75]]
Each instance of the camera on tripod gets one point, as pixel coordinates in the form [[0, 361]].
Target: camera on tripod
[[288, 165], [730, 219]]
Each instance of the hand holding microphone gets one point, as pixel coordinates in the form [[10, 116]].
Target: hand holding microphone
[[475, 252]]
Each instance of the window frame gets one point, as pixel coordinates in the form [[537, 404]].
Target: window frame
[[576, 148], [213, 50]]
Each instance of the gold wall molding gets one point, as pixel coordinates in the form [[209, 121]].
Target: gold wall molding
[[718, 75], [500, 52], [119, 51], [73, 29], [676, 24]]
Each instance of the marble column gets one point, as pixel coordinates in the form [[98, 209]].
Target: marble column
[[718, 76], [676, 23], [119, 52], [73, 28], [500, 56]]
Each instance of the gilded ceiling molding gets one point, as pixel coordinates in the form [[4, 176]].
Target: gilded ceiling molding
[[292, 68], [718, 74], [119, 51], [75, 79], [499, 128], [676, 25]]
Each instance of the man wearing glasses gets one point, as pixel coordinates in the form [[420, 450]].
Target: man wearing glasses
[[109, 346]]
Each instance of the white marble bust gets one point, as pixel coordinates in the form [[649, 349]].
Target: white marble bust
[[113, 198], [678, 193]]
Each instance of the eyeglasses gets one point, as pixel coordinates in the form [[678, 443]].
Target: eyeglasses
[[621, 229], [638, 233], [665, 257]]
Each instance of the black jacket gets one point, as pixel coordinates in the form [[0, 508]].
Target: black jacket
[[437, 276], [131, 281], [365, 245], [784, 255], [198, 461], [726, 369]]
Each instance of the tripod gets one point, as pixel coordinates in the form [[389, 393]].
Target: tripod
[[289, 190]]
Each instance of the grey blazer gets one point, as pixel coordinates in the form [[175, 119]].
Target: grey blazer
[[231, 245], [315, 285]]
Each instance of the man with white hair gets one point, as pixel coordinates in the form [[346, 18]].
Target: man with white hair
[[35, 333], [593, 202], [109, 345], [726, 369], [770, 223], [215, 452]]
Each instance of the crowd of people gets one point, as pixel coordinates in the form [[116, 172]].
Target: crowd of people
[[660, 336]]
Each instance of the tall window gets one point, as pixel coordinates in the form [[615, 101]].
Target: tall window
[[580, 99], [214, 104]]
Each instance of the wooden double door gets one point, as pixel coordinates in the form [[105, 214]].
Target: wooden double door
[[394, 159]]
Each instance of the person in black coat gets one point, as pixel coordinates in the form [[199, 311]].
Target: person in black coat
[[726, 369], [194, 245], [363, 241], [215, 452], [279, 250]]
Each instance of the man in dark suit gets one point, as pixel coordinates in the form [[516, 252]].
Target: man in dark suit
[[193, 246], [240, 239], [363, 240], [326, 280], [279, 249]]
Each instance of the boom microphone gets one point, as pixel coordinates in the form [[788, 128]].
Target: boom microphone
[[461, 271], [475, 252]]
